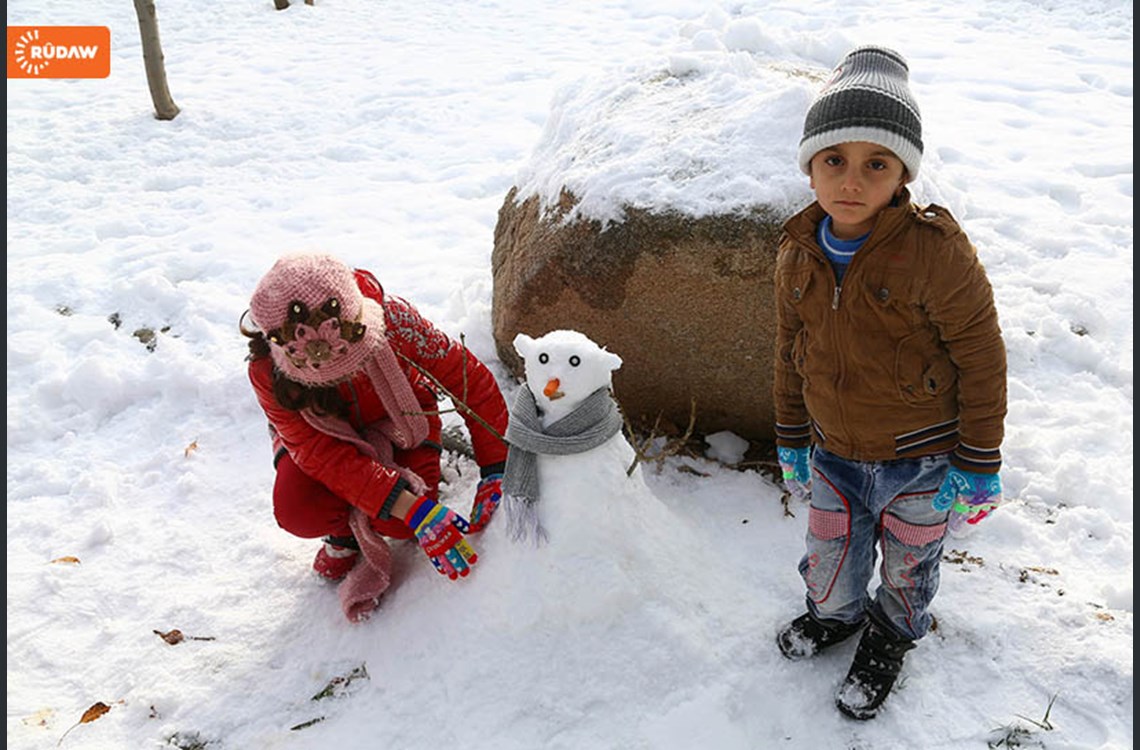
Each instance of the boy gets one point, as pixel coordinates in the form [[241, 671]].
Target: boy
[[890, 384]]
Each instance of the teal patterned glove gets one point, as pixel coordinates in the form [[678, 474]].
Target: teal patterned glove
[[969, 496], [795, 463]]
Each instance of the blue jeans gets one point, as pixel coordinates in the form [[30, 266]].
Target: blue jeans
[[858, 505]]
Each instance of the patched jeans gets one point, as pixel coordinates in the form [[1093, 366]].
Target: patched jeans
[[862, 509]]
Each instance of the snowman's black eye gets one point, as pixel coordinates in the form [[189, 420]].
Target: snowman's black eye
[[543, 358], [575, 360]]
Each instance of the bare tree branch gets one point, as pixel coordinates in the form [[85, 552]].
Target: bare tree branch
[[672, 446], [460, 404]]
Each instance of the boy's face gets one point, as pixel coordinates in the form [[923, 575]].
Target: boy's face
[[854, 182]]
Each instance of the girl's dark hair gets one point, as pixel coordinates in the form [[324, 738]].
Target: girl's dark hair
[[324, 400]]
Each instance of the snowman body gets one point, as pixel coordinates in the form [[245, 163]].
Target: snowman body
[[606, 539]]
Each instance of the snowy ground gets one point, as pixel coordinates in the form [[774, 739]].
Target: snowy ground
[[389, 133]]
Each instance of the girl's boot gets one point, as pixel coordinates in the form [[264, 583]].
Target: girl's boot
[[336, 557]]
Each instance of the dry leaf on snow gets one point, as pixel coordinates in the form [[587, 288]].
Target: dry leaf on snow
[[176, 636], [89, 716]]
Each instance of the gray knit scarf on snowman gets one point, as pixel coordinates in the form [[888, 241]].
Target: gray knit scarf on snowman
[[592, 423]]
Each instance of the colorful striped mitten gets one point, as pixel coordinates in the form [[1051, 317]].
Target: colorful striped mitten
[[440, 530], [487, 497]]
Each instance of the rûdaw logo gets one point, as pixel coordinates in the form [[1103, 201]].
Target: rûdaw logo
[[59, 52]]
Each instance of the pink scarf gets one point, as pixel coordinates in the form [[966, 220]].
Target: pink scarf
[[360, 590], [405, 427]]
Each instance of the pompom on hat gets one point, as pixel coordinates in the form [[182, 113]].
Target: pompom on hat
[[319, 326], [866, 99]]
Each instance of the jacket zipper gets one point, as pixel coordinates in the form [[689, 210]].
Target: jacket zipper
[[840, 372], [840, 375]]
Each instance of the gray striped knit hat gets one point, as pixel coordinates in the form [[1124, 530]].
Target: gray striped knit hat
[[866, 99]]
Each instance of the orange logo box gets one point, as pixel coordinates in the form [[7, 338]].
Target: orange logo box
[[59, 52]]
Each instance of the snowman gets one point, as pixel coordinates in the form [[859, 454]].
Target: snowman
[[586, 534], [585, 576]]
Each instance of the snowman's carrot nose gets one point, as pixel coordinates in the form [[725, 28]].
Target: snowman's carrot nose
[[551, 390]]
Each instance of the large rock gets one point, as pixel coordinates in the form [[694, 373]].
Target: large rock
[[686, 302]]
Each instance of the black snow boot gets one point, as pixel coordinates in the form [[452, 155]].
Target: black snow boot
[[807, 635], [876, 666]]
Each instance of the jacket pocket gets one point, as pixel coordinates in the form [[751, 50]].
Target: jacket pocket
[[891, 300], [891, 289], [793, 286], [923, 371]]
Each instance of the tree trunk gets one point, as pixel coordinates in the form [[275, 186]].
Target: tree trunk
[[164, 106]]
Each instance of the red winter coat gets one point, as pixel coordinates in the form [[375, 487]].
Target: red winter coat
[[339, 465]]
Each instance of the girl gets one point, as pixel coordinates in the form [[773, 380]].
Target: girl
[[349, 379]]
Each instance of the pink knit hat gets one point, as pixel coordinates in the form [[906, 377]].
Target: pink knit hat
[[319, 326]]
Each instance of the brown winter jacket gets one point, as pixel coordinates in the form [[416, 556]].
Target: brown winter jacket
[[906, 359]]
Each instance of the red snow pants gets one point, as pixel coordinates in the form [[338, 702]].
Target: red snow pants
[[306, 508]]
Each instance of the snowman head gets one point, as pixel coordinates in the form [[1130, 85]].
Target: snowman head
[[563, 368]]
